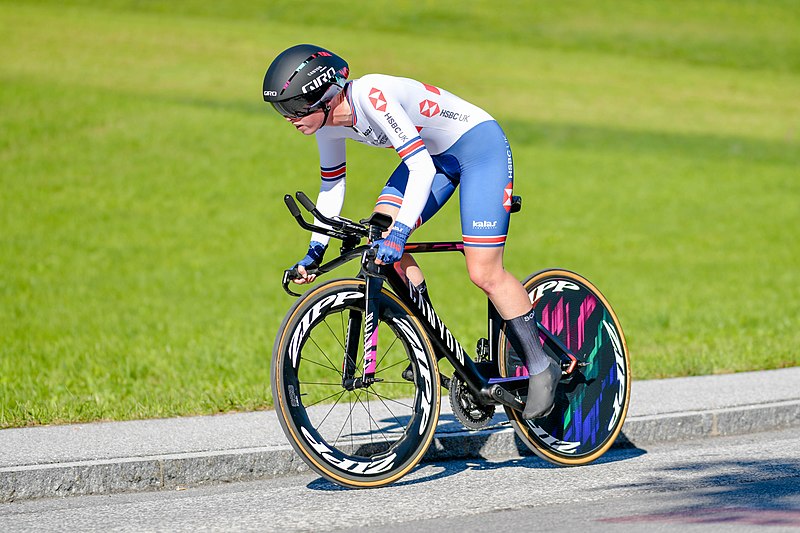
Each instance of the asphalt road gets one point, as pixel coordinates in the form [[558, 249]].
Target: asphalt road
[[740, 483]]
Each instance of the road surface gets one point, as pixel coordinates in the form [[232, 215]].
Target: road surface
[[738, 483]]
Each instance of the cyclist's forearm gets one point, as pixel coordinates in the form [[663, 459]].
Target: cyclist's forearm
[[420, 179], [329, 202]]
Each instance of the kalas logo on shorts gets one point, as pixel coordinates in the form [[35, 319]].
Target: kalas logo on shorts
[[484, 224], [377, 99], [428, 108]]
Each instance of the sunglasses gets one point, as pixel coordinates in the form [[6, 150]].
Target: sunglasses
[[303, 105], [299, 106]]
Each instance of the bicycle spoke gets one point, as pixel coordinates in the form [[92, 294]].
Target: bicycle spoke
[[332, 333], [350, 419], [382, 397], [320, 364], [386, 352], [391, 366], [333, 366], [399, 424], [330, 410], [404, 382], [325, 398], [371, 419], [352, 442]]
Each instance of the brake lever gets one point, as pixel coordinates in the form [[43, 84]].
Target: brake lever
[[288, 276], [369, 265], [291, 275]]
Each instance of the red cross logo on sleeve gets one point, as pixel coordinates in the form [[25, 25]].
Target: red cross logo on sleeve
[[377, 99], [507, 197], [428, 108]]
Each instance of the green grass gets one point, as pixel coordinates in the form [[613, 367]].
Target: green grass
[[142, 231]]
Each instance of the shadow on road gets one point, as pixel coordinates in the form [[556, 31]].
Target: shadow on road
[[447, 465], [736, 492]]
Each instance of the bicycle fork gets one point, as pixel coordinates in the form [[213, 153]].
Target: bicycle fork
[[370, 320]]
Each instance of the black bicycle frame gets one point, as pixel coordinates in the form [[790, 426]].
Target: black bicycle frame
[[441, 337], [482, 377]]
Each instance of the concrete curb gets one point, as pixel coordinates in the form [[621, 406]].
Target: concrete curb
[[175, 471]]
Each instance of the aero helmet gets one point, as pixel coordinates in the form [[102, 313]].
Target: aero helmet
[[303, 79]]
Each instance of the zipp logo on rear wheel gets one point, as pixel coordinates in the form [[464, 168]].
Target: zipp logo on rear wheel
[[552, 286]]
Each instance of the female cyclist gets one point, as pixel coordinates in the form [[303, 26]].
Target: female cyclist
[[444, 142]]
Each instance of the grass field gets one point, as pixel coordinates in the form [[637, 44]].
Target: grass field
[[142, 231]]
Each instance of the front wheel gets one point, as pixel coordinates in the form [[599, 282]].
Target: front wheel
[[353, 433], [590, 406]]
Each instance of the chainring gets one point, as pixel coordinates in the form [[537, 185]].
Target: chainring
[[468, 411]]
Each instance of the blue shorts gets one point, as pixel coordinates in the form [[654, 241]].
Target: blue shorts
[[481, 163]]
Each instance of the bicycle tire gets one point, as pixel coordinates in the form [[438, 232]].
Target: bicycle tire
[[380, 432], [590, 409]]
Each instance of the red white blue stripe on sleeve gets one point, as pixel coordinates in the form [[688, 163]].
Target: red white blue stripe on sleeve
[[484, 241], [390, 199], [395, 201], [333, 173], [411, 148]]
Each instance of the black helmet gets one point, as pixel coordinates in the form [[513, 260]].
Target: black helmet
[[304, 78]]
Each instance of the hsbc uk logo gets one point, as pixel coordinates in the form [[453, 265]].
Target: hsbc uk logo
[[377, 99], [428, 108], [452, 115]]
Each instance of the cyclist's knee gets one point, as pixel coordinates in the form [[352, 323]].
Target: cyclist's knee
[[486, 277], [485, 267]]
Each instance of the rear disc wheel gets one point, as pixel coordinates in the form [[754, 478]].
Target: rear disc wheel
[[591, 406]]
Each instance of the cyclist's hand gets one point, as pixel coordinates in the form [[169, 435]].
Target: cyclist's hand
[[391, 248], [303, 275], [316, 251]]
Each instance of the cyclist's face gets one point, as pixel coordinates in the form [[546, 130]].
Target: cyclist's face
[[309, 124]]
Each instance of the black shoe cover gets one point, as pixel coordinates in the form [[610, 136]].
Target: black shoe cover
[[542, 392]]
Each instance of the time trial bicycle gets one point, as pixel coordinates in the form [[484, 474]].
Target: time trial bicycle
[[355, 379]]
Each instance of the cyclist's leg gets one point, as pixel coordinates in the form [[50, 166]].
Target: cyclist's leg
[[485, 267], [487, 180]]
